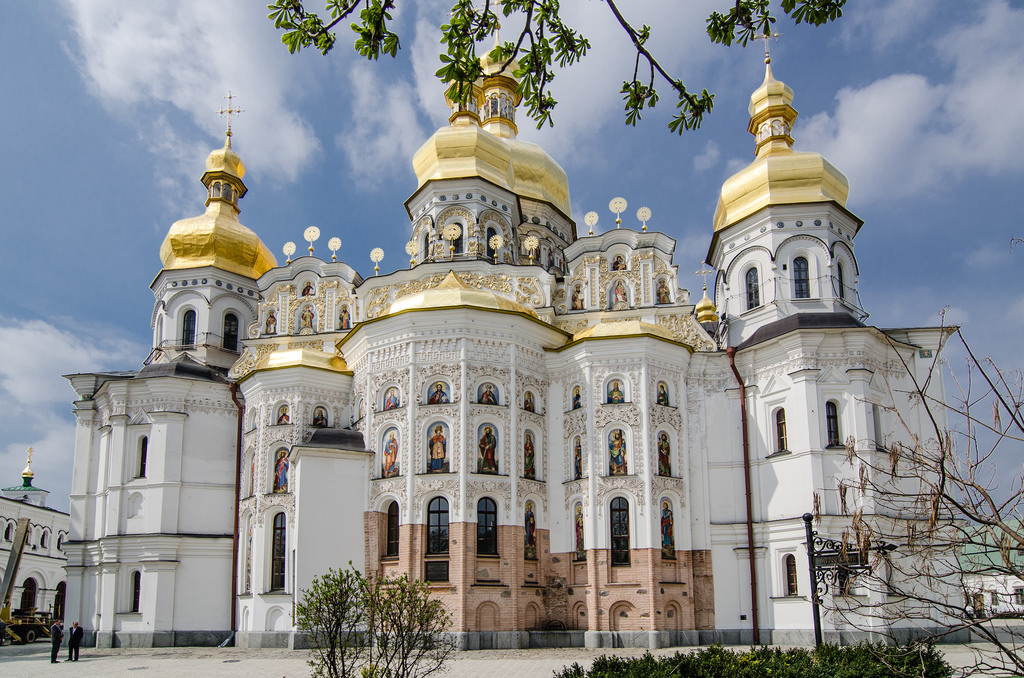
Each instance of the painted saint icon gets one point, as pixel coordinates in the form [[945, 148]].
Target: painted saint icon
[[617, 453], [344, 320], [577, 399], [438, 449], [271, 327], [577, 298], [306, 318], [391, 399], [619, 263], [664, 455], [281, 471], [320, 416], [487, 394], [663, 294], [663, 394], [668, 540], [581, 551], [487, 460], [307, 290], [619, 295], [615, 394], [439, 396], [528, 401], [529, 457], [530, 533], [577, 459], [389, 466], [282, 415]]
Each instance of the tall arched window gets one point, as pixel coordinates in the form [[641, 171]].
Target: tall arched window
[[832, 423], [437, 525], [44, 538], [230, 332], [9, 532], [487, 527], [136, 590], [840, 280], [188, 328], [143, 452], [277, 554], [801, 279], [620, 531], [753, 290], [391, 542], [789, 565], [28, 594], [781, 442], [491, 252], [460, 242], [58, 601]]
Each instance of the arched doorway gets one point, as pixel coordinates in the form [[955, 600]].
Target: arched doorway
[[58, 601], [28, 594]]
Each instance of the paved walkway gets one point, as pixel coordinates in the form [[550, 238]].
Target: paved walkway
[[33, 661]]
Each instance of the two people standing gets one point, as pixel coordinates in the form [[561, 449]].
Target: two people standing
[[74, 641]]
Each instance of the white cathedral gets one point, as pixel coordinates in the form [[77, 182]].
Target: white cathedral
[[537, 422]]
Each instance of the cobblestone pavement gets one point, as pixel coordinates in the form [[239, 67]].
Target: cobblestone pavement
[[33, 661]]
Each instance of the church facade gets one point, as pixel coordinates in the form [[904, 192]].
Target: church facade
[[539, 423]]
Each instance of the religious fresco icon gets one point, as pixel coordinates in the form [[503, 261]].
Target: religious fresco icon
[[389, 465], [487, 443], [487, 394], [437, 448]]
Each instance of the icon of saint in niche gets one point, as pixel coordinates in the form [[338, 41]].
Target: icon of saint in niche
[[619, 263], [581, 552], [307, 291], [528, 401], [271, 327], [391, 399], [663, 295], [320, 417], [282, 415], [619, 293], [389, 468], [662, 394], [306, 318], [281, 471], [668, 540], [438, 451], [615, 394], [577, 462], [617, 453], [577, 298], [344, 321], [664, 455], [577, 399], [530, 533], [529, 457], [439, 396], [486, 395], [487, 461]]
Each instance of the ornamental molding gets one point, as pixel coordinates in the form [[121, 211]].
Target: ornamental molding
[[685, 329]]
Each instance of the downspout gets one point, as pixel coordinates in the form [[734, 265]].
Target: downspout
[[731, 352], [238, 490]]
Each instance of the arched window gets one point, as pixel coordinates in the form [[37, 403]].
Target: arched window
[[789, 566], [753, 290], [620, 531], [60, 542], [277, 554], [43, 539], [437, 525], [781, 442], [230, 332], [425, 253], [143, 452], [136, 590], [840, 280], [58, 600], [391, 548], [188, 328], [460, 242], [486, 527], [832, 423], [491, 252], [801, 279], [9, 532], [28, 594]]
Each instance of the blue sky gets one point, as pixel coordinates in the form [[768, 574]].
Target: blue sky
[[109, 109]]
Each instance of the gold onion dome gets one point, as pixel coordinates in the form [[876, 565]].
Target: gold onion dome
[[706, 311], [453, 292], [626, 328], [217, 238], [492, 152], [779, 175]]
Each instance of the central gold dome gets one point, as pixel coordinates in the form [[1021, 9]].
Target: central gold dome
[[453, 292]]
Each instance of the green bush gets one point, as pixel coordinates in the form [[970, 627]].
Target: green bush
[[831, 661]]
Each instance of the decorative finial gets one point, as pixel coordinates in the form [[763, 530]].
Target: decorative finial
[[496, 242], [704, 273], [289, 250], [618, 205], [228, 112], [530, 242], [27, 473], [310, 235], [376, 254], [412, 248], [766, 38], [590, 219], [643, 214], [451, 233], [334, 244]]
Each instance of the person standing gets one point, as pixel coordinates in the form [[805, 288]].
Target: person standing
[[75, 642], [56, 636]]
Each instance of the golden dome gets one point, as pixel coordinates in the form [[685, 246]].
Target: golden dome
[[779, 175], [217, 238], [538, 176], [625, 328], [453, 292], [302, 357], [464, 150], [706, 311]]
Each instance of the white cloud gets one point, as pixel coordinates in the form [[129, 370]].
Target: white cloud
[[883, 23], [708, 157], [902, 135], [134, 56]]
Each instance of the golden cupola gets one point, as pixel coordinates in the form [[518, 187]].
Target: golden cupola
[[778, 175], [481, 142], [217, 238]]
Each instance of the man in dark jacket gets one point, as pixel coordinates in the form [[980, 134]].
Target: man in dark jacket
[[56, 636], [75, 642]]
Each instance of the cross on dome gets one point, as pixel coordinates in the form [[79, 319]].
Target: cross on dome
[[228, 112]]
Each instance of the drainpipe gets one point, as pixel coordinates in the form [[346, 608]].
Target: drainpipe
[[731, 352], [238, 490]]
